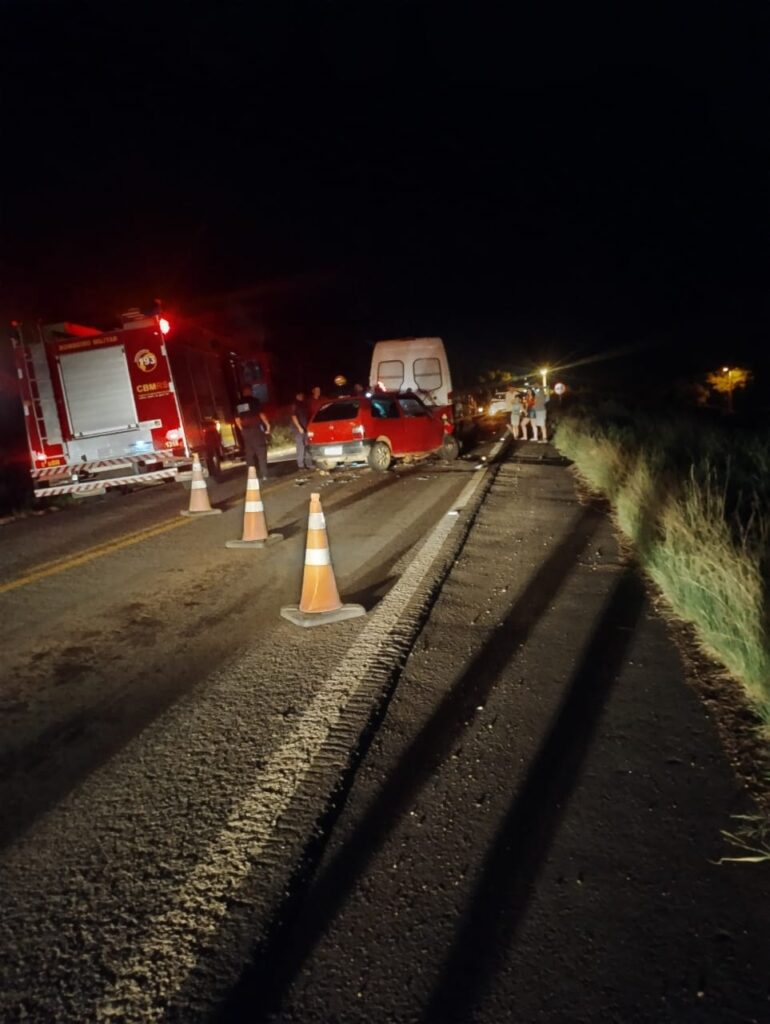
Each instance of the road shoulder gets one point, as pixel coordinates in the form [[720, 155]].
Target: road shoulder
[[534, 830]]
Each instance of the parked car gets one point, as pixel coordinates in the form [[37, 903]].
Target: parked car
[[499, 404], [376, 430]]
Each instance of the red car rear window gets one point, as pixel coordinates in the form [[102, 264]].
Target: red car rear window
[[337, 411]]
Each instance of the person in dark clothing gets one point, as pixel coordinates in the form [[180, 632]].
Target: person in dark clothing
[[255, 430], [300, 415]]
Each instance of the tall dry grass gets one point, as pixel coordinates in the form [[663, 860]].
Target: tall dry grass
[[695, 502]]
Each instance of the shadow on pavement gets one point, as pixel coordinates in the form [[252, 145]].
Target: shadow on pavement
[[315, 904], [500, 899]]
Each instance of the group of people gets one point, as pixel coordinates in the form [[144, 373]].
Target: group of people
[[529, 411], [528, 419], [255, 426]]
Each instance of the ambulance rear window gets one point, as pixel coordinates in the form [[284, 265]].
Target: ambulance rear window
[[427, 374], [390, 375]]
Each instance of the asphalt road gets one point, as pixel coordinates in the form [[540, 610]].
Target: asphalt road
[[152, 696], [533, 832], [494, 798]]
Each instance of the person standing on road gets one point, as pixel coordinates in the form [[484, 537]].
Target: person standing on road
[[521, 415], [511, 403], [541, 415], [255, 430], [300, 416]]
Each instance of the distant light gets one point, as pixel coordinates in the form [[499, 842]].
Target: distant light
[[164, 325], [725, 369]]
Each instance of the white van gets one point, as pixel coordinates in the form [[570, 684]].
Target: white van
[[413, 364]]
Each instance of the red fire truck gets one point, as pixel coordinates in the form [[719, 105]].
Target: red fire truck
[[131, 405]]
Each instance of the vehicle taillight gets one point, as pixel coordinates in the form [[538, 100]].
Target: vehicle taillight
[[164, 325], [358, 429], [309, 434]]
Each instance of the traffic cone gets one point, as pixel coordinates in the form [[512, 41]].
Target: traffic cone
[[320, 602], [199, 495], [255, 533]]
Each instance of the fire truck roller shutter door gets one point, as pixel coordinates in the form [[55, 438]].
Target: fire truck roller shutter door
[[97, 387]]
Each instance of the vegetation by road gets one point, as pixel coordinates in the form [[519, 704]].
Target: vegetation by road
[[693, 497]]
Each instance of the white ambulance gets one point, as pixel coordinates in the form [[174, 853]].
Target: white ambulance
[[413, 364]]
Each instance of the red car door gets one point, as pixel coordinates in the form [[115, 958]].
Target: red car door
[[422, 432], [387, 421]]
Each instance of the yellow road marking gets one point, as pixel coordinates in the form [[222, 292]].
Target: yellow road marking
[[71, 561]]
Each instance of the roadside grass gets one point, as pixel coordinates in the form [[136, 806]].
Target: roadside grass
[[694, 499], [711, 574], [751, 837], [281, 436]]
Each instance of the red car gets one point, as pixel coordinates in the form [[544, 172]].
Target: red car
[[376, 430]]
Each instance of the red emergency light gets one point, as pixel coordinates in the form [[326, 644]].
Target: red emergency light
[[164, 325]]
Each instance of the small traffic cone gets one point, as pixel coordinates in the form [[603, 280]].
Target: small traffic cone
[[320, 602], [255, 533], [199, 495]]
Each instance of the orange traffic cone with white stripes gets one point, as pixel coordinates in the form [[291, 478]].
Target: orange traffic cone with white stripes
[[199, 495], [255, 533], [320, 602]]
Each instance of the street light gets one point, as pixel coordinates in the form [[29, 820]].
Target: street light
[[729, 372], [544, 375]]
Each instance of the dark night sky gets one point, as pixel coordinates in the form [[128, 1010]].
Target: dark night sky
[[526, 185]]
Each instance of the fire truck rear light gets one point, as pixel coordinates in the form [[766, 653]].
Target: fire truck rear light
[[164, 325], [173, 435]]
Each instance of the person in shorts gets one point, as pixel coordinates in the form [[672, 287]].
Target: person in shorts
[[511, 404], [540, 422]]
